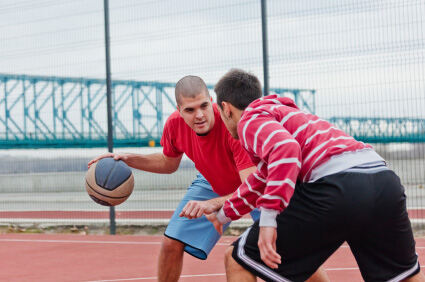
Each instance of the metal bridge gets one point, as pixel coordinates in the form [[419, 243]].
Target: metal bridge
[[382, 130], [59, 112]]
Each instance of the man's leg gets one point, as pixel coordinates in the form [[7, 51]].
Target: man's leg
[[319, 275], [234, 271], [170, 260], [194, 236]]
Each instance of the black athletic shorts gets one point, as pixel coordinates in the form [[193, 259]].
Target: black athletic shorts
[[366, 210]]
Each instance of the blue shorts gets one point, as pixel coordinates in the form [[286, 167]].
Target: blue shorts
[[198, 235]]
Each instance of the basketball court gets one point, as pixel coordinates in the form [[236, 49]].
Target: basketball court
[[42, 257]]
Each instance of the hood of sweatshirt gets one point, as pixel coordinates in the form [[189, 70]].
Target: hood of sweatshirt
[[272, 100]]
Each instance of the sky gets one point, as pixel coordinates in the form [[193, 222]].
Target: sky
[[363, 58]]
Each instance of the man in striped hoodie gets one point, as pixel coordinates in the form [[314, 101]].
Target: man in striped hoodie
[[316, 187]]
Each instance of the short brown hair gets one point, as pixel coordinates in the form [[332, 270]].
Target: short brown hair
[[190, 86], [239, 88]]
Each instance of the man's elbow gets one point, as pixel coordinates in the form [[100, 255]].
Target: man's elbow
[[170, 170]]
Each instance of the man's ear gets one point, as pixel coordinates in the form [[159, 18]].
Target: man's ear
[[178, 109], [226, 109]]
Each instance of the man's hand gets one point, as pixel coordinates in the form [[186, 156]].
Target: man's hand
[[217, 225], [267, 246], [108, 155], [195, 209]]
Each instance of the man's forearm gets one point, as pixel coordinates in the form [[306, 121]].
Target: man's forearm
[[157, 163], [217, 203]]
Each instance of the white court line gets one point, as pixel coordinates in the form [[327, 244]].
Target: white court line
[[90, 242], [347, 268], [146, 243], [345, 246], [206, 275], [114, 242], [155, 278], [84, 242]]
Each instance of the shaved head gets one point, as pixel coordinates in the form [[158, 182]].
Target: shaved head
[[189, 87]]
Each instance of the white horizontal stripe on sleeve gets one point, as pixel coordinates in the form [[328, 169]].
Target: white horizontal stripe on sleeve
[[260, 165], [244, 200], [252, 190], [259, 178], [288, 116], [275, 107], [275, 101], [317, 133], [285, 161], [323, 144], [342, 146], [281, 182], [284, 142], [270, 197], [271, 136], [258, 132], [233, 208], [304, 126]]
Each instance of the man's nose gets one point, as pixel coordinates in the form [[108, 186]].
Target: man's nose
[[199, 113]]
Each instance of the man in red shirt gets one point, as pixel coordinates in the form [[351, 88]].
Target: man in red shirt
[[316, 187], [197, 130]]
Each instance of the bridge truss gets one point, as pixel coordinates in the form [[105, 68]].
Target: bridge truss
[[61, 112]]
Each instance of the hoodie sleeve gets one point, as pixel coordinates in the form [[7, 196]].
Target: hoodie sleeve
[[243, 199], [265, 138]]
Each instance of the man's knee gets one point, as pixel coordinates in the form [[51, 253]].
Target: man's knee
[[234, 271], [228, 259], [171, 246]]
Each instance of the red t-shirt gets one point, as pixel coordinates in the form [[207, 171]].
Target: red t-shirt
[[217, 156]]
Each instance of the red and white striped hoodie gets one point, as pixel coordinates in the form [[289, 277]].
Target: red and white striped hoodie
[[287, 145]]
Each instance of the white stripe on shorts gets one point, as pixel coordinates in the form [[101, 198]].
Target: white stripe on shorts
[[405, 274]]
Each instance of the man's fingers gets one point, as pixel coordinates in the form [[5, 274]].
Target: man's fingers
[[270, 257], [189, 210], [217, 225], [92, 162], [186, 210], [193, 212], [200, 213], [107, 155], [268, 262], [195, 209]]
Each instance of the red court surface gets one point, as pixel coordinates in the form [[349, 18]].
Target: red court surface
[[41, 257], [155, 214]]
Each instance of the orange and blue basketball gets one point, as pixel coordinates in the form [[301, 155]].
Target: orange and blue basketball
[[109, 182]]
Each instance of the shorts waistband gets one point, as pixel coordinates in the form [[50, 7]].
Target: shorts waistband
[[374, 168], [344, 161]]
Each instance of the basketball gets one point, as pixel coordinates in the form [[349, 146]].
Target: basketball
[[109, 182]]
